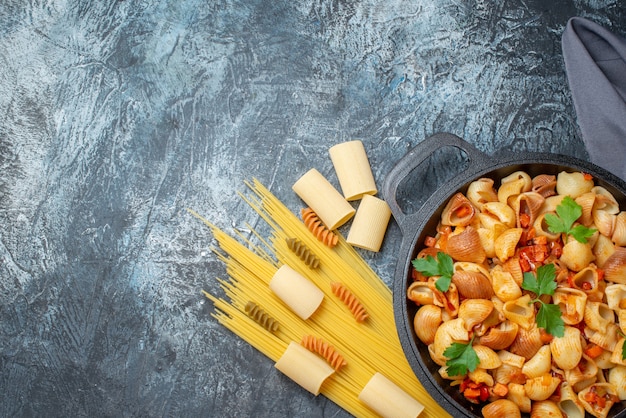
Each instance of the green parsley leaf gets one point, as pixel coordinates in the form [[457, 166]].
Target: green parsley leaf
[[567, 212], [549, 318], [549, 315], [461, 358], [442, 266]]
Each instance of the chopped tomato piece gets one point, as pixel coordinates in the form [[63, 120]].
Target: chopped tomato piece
[[524, 220], [500, 390], [587, 176], [593, 350], [430, 241]]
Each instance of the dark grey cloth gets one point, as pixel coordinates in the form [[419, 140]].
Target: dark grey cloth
[[595, 62]]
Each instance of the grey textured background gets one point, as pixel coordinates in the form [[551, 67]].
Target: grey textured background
[[116, 116]]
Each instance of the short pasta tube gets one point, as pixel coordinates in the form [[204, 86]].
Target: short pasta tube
[[296, 291], [353, 169], [388, 400], [370, 224], [304, 367]]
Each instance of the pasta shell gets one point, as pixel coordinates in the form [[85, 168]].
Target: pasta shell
[[584, 371], [616, 296], [605, 200], [501, 408], [507, 374], [577, 255], [606, 338], [440, 359], [567, 350], [449, 332], [420, 293], [573, 184], [598, 316], [569, 403], [542, 387], [572, 303], [617, 377], [472, 285], [466, 246], [512, 359], [520, 311], [513, 267], [488, 358], [545, 409], [499, 211], [544, 184], [542, 229], [527, 207], [604, 222], [540, 364], [501, 336], [527, 342], [514, 184], [425, 323], [517, 394], [603, 249], [616, 356], [621, 316], [506, 243], [586, 202], [474, 311], [615, 266], [599, 389], [619, 230], [504, 285], [481, 191], [458, 211]]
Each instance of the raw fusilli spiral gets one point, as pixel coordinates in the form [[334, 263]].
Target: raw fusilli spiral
[[347, 297], [315, 225], [302, 251], [260, 316], [321, 347]]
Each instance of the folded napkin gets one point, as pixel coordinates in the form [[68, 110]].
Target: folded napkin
[[595, 63]]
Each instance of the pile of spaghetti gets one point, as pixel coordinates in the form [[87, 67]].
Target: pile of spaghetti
[[353, 329]]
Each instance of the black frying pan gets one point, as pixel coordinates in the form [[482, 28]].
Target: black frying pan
[[415, 227]]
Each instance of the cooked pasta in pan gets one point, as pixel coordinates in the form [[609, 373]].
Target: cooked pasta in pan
[[522, 295]]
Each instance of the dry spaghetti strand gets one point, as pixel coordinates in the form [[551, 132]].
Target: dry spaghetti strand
[[346, 296], [315, 225], [321, 347]]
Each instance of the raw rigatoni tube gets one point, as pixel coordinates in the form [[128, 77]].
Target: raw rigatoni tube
[[329, 205], [353, 169], [304, 367], [298, 292], [388, 400], [370, 224]]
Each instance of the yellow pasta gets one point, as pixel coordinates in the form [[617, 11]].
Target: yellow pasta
[[353, 169], [370, 224], [369, 348], [324, 349]]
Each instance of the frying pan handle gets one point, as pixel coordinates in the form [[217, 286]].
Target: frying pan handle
[[416, 156]]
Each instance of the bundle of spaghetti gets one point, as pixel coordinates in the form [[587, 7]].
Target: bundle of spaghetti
[[366, 347]]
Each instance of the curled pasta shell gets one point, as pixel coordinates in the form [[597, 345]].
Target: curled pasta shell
[[544, 184], [420, 293], [458, 211], [425, 323], [504, 285], [567, 350], [506, 243], [517, 394], [540, 388], [545, 409], [527, 342], [619, 231], [599, 389], [449, 332], [480, 375], [512, 359], [615, 266], [520, 311], [514, 184], [540, 364], [616, 355], [585, 370], [472, 285], [569, 403], [605, 200], [513, 267], [603, 249], [500, 336], [466, 246], [617, 377], [577, 255], [616, 296], [501, 408], [527, 207], [481, 191], [498, 211], [606, 338], [488, 358], [507, 373], [604, 222], [572, 303], [573, 184], [586, 202], [598, 316], [474, 311], [586, 279], [542, 228]]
